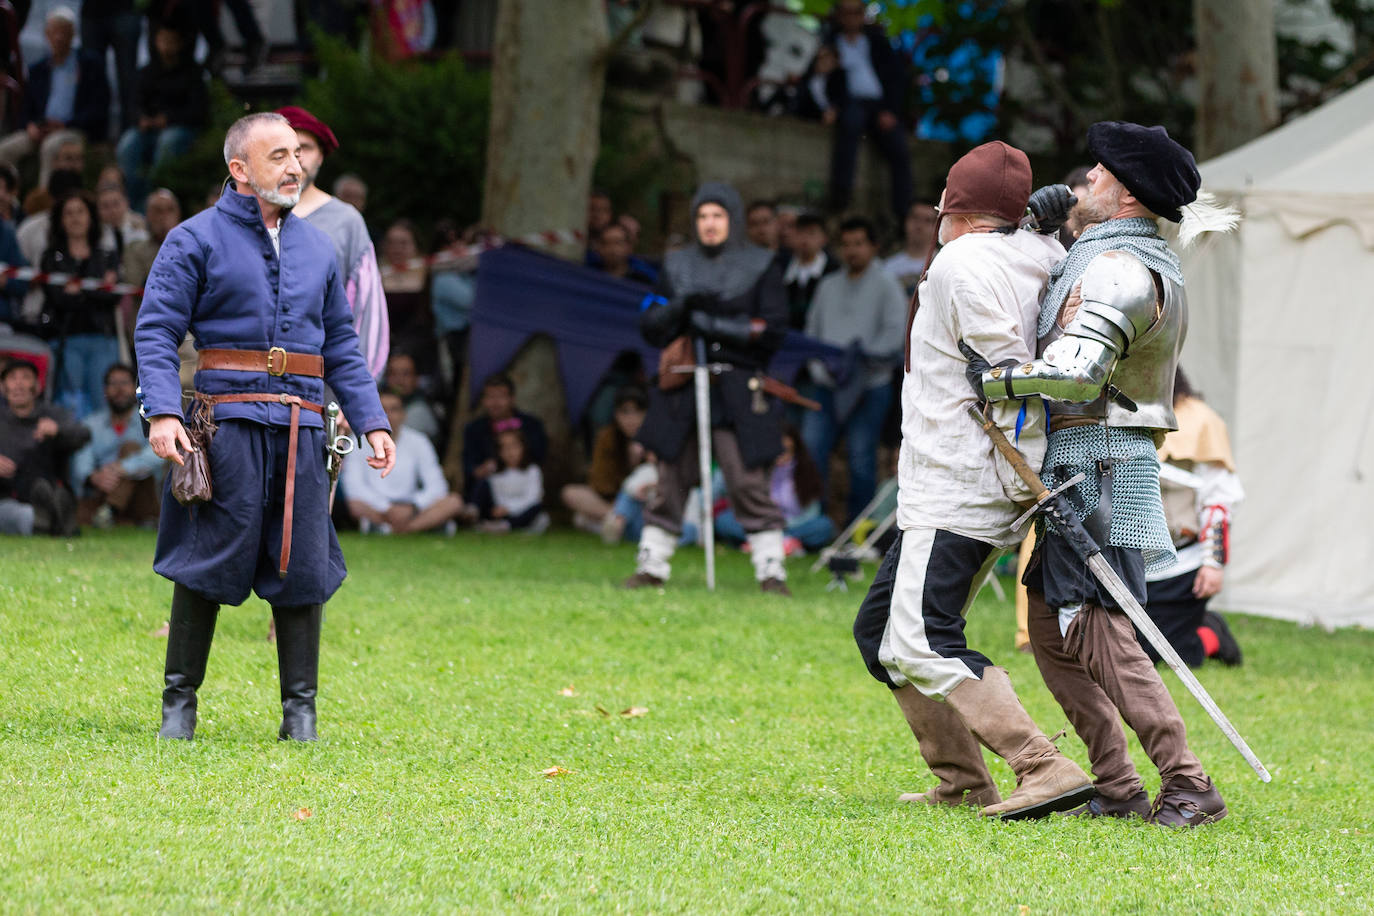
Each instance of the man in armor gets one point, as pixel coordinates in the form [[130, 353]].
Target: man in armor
[[957, 499], [729, 293], [1111, 326]]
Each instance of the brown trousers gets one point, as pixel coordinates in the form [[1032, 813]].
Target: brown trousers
[[749, 488], [1100, 675]]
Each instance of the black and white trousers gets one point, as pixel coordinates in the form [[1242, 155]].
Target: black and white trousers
[[910, 627]]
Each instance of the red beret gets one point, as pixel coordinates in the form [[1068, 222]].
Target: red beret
[[300, 119]]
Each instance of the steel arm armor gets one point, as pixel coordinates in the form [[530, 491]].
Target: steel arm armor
[[1119, 304]]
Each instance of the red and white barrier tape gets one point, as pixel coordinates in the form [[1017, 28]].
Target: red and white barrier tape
[[85, 284]]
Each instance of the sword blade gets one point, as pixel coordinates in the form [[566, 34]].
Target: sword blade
[[702, 379], [1104, 573]]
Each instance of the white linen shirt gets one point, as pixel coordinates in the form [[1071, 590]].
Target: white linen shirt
[[417, 477], [984, 289]]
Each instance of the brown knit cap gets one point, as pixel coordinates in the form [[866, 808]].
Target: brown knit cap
[[993, 178]]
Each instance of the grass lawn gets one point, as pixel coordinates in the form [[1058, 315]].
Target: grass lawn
[[762, 777]]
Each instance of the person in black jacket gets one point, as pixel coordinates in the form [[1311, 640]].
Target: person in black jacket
[[66, 89], [727, 292], [173, 105], [865, 93], [83, 321]]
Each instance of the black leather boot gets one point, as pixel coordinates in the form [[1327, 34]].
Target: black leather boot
[[298, 663], [190, 630]]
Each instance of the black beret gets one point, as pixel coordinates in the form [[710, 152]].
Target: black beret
[[1156, 169]]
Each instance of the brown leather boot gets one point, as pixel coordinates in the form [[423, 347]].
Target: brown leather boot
[[642, 580], [1178, 804], [1046, 780], [950, 750], [1138, 805]]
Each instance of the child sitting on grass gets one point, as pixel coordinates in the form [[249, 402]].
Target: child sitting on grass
[[513, 497]]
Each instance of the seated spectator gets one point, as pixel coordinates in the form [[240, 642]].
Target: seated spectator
[[66, 89], [823, 89], [116, 474], [761, 222], [12, 293], [1199, 486], [787, 230], [600, 213], [615, 455], [413, 497], [615, 255], [452, 293], [405, 280], [82, 321], [351, 189], [402, 380], [163, 214], [918, 232], [862, 307], [36, 440], [118, 224], [11, 210], [512, 497], [173, 105], [809, 262], [479, 436], [33, 232], [796, 489], [871, 101]]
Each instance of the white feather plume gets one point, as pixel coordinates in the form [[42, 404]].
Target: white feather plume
[[1200, 217]]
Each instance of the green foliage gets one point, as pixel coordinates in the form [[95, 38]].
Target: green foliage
[[897, 15], [416, 131], [1310, 72], [761, 780]]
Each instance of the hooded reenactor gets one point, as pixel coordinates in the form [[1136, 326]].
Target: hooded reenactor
[[1110, 329], [728, 293], [259, 290]]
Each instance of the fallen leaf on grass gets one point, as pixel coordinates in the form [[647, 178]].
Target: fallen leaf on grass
[[602, 709], [301, 814], [554, 772], [567, 691], [634, 712]]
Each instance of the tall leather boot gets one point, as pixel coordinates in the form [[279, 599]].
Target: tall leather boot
[[298, 664], [1046, 780], [949, 749], [190, 630]]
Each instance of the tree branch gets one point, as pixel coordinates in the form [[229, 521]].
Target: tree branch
[[1048, 77]]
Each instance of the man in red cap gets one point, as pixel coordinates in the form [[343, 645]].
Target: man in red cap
[[345, 227], [957, 499]]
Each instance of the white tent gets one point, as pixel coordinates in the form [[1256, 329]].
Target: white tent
[[1281, 342]]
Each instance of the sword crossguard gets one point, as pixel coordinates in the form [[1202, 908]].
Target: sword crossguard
[[1044, 501]]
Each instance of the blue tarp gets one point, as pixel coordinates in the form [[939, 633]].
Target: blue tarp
[[592, 318]]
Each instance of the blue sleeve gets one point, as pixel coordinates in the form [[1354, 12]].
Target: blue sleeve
[[169, 298], [345, 370]]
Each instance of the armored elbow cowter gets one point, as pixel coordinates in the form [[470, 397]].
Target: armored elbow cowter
[[1126, 333]]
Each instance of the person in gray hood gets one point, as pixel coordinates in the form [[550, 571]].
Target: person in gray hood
[[727, 292]]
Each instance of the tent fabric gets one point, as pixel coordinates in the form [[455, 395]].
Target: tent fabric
[[1280, 324], [591, 317]]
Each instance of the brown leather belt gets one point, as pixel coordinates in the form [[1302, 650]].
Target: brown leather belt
[[275, 361], [296, 404]]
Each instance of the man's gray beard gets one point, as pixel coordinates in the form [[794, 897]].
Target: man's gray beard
[[1089, 211], [276, 198]]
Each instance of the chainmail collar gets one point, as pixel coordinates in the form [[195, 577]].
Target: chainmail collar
[[1137, 235]]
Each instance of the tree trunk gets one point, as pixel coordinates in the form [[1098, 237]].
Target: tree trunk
[[1237, 67], [548, 76]]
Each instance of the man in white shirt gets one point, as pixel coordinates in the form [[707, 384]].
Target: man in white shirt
[[957, 499], [414, 496]]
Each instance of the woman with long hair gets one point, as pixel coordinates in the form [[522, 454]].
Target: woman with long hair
[[82, 320]]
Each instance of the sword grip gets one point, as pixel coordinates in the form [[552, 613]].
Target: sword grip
[[1009, 452]]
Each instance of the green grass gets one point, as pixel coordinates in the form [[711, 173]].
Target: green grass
[[762, 778]]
